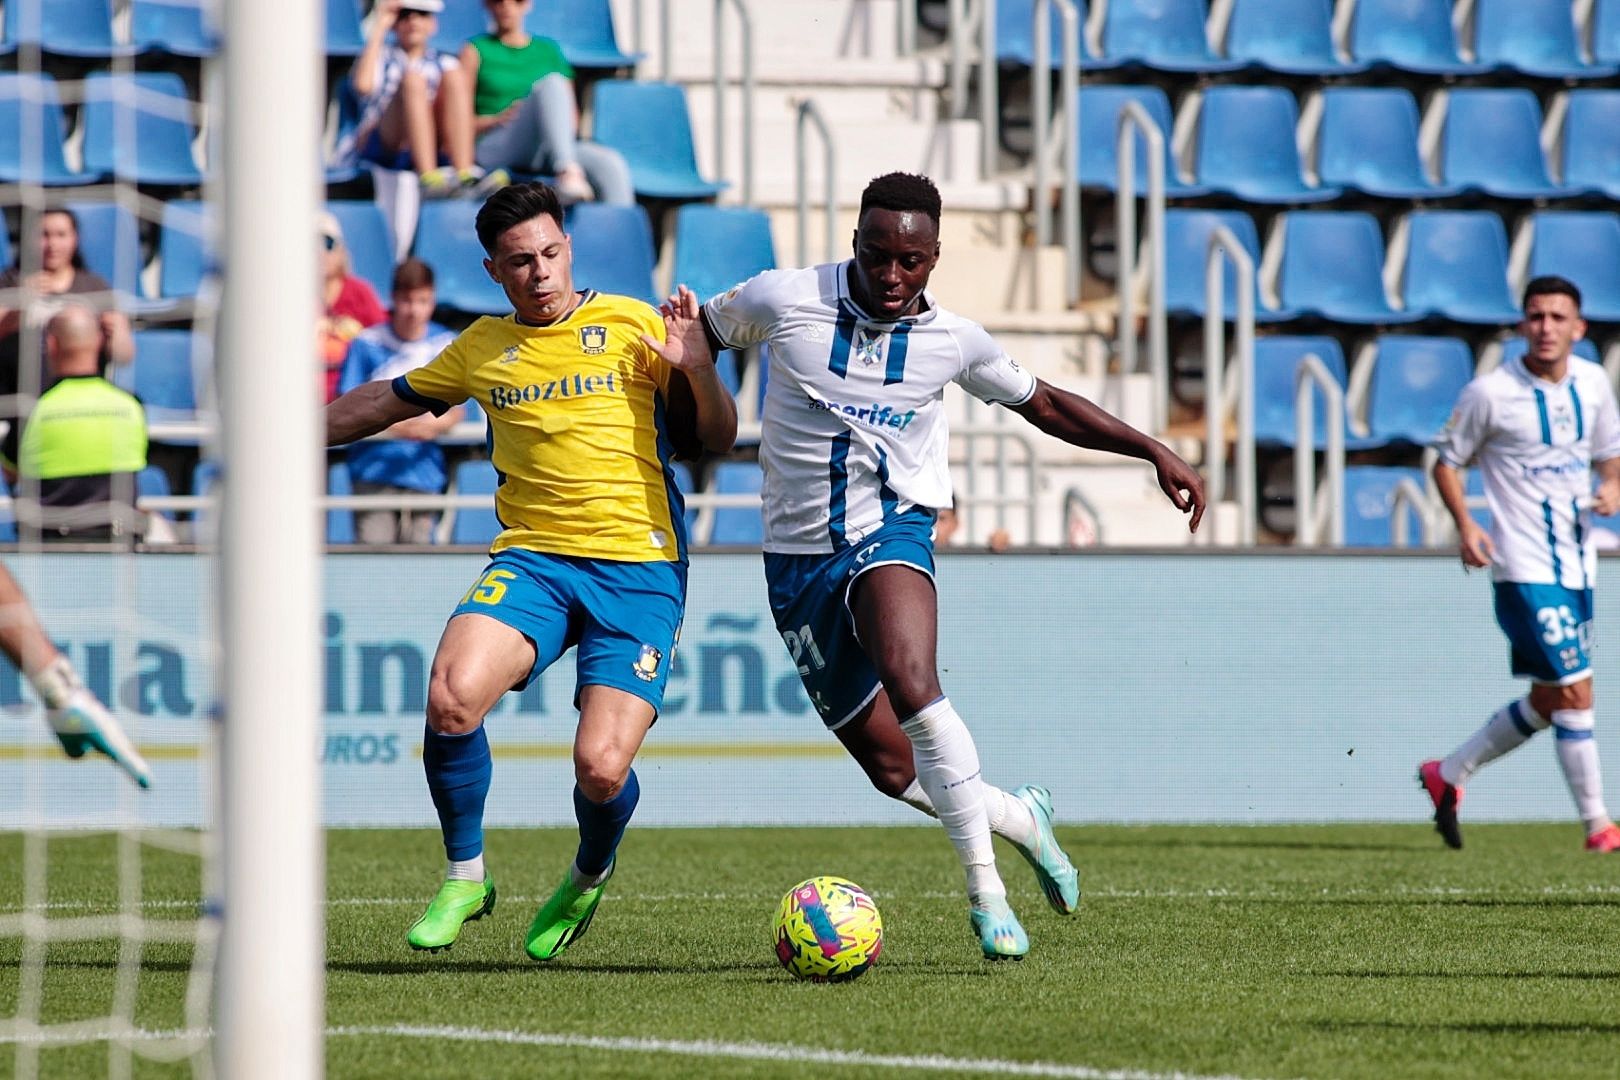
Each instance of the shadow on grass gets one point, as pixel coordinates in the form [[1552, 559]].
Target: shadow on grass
[[1199, 844], [754, 971], [1546, 973], [1472, 1027], [147, 964]]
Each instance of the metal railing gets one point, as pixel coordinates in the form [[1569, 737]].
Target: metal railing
[[1223, 390], [975, 20], [971, 499], [1309, 511], [1041, 122], [746, 149], [809, 114], [1134, 120], [1407, 495]]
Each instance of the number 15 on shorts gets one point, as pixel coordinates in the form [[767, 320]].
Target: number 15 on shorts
[[489, 589]]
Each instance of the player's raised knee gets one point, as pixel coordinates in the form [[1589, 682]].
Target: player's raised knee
[[601, 776], [454, 706]]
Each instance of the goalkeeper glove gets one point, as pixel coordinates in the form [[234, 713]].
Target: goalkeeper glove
[[83, 723]]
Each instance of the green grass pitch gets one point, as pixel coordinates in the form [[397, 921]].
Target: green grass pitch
[[1331, 951]]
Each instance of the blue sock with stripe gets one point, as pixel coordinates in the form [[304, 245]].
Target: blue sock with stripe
[[1510, 728], [458, 769], [601, 825]]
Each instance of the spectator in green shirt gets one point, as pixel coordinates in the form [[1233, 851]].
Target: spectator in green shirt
[[526, 114]]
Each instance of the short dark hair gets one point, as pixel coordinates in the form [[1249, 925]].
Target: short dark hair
[[413, 273], [513, 205], [903, 192], [1552, 285]]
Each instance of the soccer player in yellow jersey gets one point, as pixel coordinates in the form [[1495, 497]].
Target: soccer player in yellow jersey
[[579, 388]]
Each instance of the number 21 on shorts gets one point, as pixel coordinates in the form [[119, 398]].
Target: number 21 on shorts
[[801, 645]]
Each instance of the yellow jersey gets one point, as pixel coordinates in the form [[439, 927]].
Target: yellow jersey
[[577, 428]]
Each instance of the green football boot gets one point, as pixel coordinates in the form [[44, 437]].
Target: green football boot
[[564, 917], [1058, 878], [999, 932], [456, 903]]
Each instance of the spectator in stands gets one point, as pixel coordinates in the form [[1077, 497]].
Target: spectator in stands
[[415, 104], [83, 443], [949, 523], [351, 303], [527, 114], [411, 462], [44, 292]]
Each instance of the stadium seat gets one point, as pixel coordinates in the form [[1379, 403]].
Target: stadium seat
[[183, 243], [29, 104], [1187, 234], [152, 480], [370, 240], [6, 256], [649, 124], [459, 21], [1100, 107], [206, 477], [339, 520], [176, 27], [1533, 37], [584, 29], [1333, 266], [151, 142], [445, 240], [1168, 35], [344, 36], [1592, 143], [1415, 383], [1605, 22], [1368, 142], [1276, 364], [1492, 143], [1411, 35], [1457, 267], [613, 249], [8, 519], [473, 524], [1369, 501], [80, 28], [737, 525], [1290, 37], [1246, 146], [164, 376], [1581, 246], [718, 246], [1015, 36], [110, 242]]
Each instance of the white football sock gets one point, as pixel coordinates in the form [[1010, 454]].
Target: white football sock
[[1578, 755], [1509, 729], [466, 869], [948, 769], [1009, 818]]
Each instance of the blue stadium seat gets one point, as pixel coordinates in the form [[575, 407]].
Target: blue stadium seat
[[584, 29], [1168, 35], [30, 104], [1411, 35], [1581, 246], [8, 520], [1369, 505], [1246, 146], [1533, 37], [139, 127], [164, 376], [1187, 234], [1333, 266], [649, 124], [1276, 364], [1492, 143], [613, 249], [175, 27], [206, 477], [344, 37], [737, 525], [1291, 37], [475, 525], [718, 246], [1592, 143], [110, 241], [6, 256], [1606, 32], [1015, 36], [445, 240], [370, 240], [183, 243], [459, 21], [152, 480], [1415, 383], [1368, 142], [1457, 267], [339, 520], [1515, 347], [65, 27], [1100, 106]]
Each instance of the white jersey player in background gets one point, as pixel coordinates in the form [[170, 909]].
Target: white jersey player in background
[[1536, 429], [854, 451]]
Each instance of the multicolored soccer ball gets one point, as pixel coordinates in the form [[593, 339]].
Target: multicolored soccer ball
[[828, 930]]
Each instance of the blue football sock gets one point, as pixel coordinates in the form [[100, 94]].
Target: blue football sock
[[458, 770], [601, 825]]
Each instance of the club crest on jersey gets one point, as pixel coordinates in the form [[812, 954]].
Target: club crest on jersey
[[868, 347], [1563, 417], [646, 665], [593, 340], [509, 354]]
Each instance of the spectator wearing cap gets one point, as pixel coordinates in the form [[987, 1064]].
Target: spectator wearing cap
[[351, 303]]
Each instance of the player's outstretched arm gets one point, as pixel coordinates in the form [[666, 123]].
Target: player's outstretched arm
[[1078, 422], [366, 410], [686, 349]]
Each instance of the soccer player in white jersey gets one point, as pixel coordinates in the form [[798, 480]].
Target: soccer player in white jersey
[[1537, 429], [854, 452]]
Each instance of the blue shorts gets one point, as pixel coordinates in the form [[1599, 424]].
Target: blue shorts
[[624, 616], [1550, 630], [809, 597]]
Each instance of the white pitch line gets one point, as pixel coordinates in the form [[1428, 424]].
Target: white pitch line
[[698, 1048]]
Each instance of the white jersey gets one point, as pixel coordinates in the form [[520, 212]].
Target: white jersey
[[1535, 442], [854, 418]]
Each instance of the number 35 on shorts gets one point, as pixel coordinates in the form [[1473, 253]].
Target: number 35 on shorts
[[489, 589], [1558, 625]]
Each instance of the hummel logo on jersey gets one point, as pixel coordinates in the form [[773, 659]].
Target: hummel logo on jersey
[[509, 354], [569, 386], [593, 340]]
